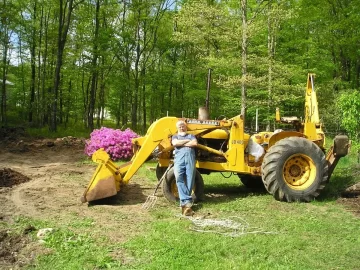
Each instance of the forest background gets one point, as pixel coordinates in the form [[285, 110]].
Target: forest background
[[86, 63]]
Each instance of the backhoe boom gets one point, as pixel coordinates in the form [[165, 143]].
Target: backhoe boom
[[109, 177]]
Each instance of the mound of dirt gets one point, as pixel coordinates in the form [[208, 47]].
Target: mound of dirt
[[351, 199], [9, 178], [11, 133], [352, 192], [10, 246]]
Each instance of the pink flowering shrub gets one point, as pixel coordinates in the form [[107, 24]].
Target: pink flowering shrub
[[115, 142]]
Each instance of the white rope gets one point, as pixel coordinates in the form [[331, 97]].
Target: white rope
[[232, 226]]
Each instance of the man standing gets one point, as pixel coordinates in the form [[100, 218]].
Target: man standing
[[184, 166]]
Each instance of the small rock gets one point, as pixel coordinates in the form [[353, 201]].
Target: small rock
[[44, 232], [59, 142]]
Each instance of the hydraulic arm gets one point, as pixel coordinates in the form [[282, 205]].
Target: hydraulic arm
[[109, 177]]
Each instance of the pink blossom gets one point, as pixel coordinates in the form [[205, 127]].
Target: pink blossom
[[115, 142]]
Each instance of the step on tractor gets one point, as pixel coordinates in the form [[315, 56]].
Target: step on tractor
[[292, 164]]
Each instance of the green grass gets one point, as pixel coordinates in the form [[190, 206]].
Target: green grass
[[301, 241], [316, 235], [75, 251], [66, 249]]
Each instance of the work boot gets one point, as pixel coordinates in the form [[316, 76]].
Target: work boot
[[187, 211]]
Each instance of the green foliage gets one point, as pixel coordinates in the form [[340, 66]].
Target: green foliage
[[150, 59], [75, 130], [349, 104]]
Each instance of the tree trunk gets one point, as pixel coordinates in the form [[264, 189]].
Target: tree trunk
[[271, 44], [38, 98], [101, 102], [244, 58], [33, 65], [134, 106], [23, 90], [64, 23], [5, 47], [144, 100], [68, 103], [61, 102], [94, 75], [44, 103]]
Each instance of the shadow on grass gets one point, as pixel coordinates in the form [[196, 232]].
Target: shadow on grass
[[133, 193], [335, 189], [129, 194], [224, 193]]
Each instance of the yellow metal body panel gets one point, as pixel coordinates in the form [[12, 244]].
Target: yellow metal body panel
[[282, 135], [216, 134], [235, 154]]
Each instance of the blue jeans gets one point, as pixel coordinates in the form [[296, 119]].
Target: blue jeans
[[184, 168]]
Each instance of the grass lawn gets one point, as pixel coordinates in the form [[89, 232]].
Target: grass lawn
[[269, 234], [234, 228]]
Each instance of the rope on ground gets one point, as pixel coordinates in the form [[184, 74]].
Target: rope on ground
[[232, 226]]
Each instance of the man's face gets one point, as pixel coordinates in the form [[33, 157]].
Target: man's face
[[182, 128]]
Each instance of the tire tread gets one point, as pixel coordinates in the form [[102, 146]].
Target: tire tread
[[271, 162]]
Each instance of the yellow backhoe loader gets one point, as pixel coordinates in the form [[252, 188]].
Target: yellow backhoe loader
[[293, 165]]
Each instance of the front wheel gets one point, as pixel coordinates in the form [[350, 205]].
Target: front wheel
[[294, 169], [170, 190]]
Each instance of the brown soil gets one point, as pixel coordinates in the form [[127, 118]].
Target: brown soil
[[9, 178], [10, 248], [44, 179], [351, 197]]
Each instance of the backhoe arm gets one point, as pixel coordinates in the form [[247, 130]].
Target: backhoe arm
[[144, 146], [312, 126], [108, 177]]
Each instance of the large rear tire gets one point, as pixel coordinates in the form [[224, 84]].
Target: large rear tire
[[170, 190], [294, 169]]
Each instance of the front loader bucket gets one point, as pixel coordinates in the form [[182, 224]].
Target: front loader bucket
[[105, 181]]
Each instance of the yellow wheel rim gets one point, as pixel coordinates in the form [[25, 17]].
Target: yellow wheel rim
[[299, 172]]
